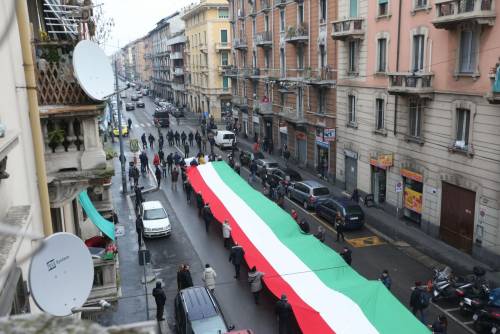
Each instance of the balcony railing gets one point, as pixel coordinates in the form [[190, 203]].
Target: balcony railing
[[263, 108], [297, 34], [176, 55], [240, 43], [494, 95], [203, 48], [411, 84], [265, 5], [105, 284], [292, 115], [240, 101], [348, 28], [264, 39], [178, 71], [230, 71], [223, 46], [451, 13], [280, 3], [177, 86]]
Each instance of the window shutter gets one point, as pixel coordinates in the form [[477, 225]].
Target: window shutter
[[353, 8], [382, 2]]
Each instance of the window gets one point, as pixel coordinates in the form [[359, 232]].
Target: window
[[381, 55], [300, 58], [225, 83], [300, 100], [322, 96], [353, 57], [254, 31], [353, 8], [379, 114], [351, 109], [383, 7], [419, 4], [463, 124], [282, 62], [223, 36], [322, 11], [267, 58], [254, 59], [254, 89], [223, 13], [266, 23], [300, 13], [224, 58], [57, 223], [415, 119], [467, 52], [418, 53], [322, 56], [282, 20]]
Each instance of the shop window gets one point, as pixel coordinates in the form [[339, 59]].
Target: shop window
[[379, 112], [353, 57], [351, 109], [415, 119], [462, 126]]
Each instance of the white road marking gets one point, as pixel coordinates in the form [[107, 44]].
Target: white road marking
[[460, 323]]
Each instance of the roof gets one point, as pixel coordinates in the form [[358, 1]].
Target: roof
[[313, 184], [152, 205], [199, 303]]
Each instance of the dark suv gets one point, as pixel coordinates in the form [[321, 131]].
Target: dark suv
[[197, 312], [350, 211]]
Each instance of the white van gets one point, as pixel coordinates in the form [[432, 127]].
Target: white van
[[224, 138]]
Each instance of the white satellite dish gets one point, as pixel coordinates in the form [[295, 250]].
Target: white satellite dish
[[93, 70], [61, 274]]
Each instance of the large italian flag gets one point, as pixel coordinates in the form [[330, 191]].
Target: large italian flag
[[327, 295]]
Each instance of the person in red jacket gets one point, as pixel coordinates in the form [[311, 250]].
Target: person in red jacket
[[156, 160]]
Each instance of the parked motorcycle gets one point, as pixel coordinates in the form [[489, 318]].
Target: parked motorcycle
[[487, 319], [472, 300], [446, 285]]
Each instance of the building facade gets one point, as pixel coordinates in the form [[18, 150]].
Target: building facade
[[148, 61], [283, 78], [208, 46], [417, 124], [176, 46]]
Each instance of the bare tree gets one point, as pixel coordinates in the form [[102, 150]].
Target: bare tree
[[100, 26]]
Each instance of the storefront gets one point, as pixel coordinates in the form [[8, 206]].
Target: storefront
[[412, 195], [283, 129], [256, 127], [351, 170], [301, 147], [322, 152], [379, 167]]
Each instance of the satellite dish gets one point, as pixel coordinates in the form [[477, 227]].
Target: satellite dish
[[61, 274], [93, 70]]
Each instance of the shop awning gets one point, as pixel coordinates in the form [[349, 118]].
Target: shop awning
[[106, 227]]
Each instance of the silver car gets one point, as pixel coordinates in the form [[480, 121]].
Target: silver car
[[268, 164], [308, 193]]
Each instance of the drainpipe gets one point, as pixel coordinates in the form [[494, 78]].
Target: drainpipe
[[36, 129], [395, 131]]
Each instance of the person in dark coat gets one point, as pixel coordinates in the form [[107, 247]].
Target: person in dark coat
[[186, 150], [207, 215], [151, 140], [386, 279], [183, 138], [177, 138], [160, 142], [138, 197], [304, 226], [158, 177], [419, 301], [199, 203], [184, 279], [160, 299], [161, 155], [189, 190], [139, 228], [197, 138], [236, 258], [283, 310], [320, 235], [440, 326], [346, 255], [170, 162], [190, 138], [339, 226]]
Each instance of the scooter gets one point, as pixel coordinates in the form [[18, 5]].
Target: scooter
[[487, 320], [473, 300]]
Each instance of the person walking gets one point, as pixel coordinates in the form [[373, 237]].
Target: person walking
[[199, 203], [151, 140], [160, 299], [283, 311], [129, 123], [207, 215], [186, 150], [174, 176], [170, 162], [208, 277], [440, 326], [160, 142], [158, 177], [177, 138], [386, 279], [191, 138], [139, 228], [189, 189], [144, 142], [419, 301], [203, 144], [183, 138], [253, 170], [164, 169], [339, 226], [156, 160], [320, 235], [135, 176], [226, 233], [184, 279], [236, 258], [255, 281], [138, 198], [346, 255]]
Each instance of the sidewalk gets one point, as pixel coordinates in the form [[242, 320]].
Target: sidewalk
[[427, 250]]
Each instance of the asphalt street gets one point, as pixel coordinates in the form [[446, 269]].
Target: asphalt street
[[190, 244]]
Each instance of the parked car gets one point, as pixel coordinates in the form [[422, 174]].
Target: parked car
[[350, 211], [270, 165], [139, 104], [161, 118], [124, 130], [155, 220], [123, 95], [287, 174], [198, 312], [177, 112], [139, 93], [134, 97], [308, 193], [224, 138], [246, 157], [129, 106]]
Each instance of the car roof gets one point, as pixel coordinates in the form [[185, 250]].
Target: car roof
[[345, 201], [199, 304], [225, 132], [313, 184], [152, 205]]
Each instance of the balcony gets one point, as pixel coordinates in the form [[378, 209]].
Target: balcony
[[223, 46], [324, 77], [297, 34], [240, 102], [178, 71], [254, 73], [176, 55], [177, 86], [225, 69], [245, 73], [105, 284], [265, 5], [348, 28], [230, 71], [494, 95], [292, 115], [263, 108], [451, 13], [280, 3], [240, 43], [419, 84], [204, 48], [264, 39]]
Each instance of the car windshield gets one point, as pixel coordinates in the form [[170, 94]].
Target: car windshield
[[272, 165], [323, 191], [228, 136], [153, 214], [354, 210]]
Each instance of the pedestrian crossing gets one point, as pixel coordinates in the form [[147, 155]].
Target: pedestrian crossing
[[143, 125]]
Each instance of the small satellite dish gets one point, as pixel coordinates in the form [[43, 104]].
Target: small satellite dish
[[61, 274], [93, 70]]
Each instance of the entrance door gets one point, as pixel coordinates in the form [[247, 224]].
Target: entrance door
[[457, 216], [378, 184], [351, 174], [301, 151]]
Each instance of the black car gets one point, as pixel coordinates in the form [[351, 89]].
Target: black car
[[139, 104], [129, 106], [246, 157], [286, 174], [350, 211], [162, 118], [178, 113]]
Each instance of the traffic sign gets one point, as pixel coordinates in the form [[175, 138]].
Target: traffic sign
[[399, 187]]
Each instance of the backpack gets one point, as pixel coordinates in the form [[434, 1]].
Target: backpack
[[424, 299]]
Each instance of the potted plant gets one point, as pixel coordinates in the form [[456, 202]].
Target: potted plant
[[56, 138]]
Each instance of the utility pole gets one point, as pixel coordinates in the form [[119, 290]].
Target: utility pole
[[120, 136]]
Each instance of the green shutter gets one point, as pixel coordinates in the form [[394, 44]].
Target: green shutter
[[223, 36], [353, 8], [382, 2]]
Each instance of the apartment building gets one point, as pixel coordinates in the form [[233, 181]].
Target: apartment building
[[207, 50], [417, 120], [176, 46], [283, 79], [139, 60], [148, 61]]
